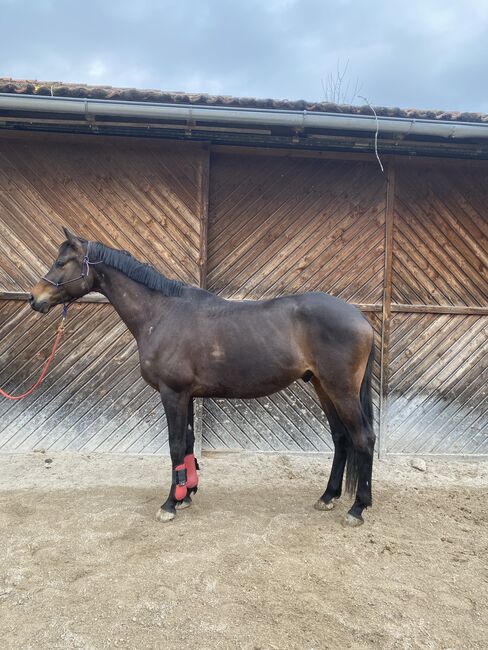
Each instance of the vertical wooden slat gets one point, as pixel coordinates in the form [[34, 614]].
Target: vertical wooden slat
[[204, 184], [386, 312], [204, 197]]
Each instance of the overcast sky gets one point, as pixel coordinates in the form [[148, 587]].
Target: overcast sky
[[420, 53]]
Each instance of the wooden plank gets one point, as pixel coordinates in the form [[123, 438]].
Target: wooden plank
[[204, 200], [438, 309], [25, 295], [283, 152]]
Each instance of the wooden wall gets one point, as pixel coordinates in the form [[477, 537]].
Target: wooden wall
[[279, 225], [408, 246], [438, 377], [144, 196]]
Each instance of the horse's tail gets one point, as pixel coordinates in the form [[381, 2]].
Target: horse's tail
[[366, 400]]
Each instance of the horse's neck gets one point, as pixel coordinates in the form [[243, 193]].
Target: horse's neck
[[130, 299]]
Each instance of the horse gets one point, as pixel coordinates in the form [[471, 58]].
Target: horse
[[193, 343]]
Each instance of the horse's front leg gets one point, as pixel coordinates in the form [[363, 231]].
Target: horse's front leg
[[191, 463], [176, 408]]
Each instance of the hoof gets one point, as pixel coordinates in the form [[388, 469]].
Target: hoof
[[322, 505], [186, 503], [354, 522], [164, 515]]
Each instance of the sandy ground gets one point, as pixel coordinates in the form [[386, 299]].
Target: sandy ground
[[84, 563]]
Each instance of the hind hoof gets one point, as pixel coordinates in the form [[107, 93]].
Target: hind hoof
[[186, 503], [164, 515], [354, 522], [324, 505]]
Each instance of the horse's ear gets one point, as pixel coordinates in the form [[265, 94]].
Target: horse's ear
[[73, 240], [69, 235]]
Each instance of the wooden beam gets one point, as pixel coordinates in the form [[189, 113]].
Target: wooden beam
[[204, 187], [293, 153], [440, 309], [204, 194], [25, 295]]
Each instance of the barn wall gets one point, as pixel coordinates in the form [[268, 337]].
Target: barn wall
[[279, 225], [409, 247], [143, 196], [438, 396]]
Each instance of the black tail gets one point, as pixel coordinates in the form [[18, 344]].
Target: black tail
[[365, 395]]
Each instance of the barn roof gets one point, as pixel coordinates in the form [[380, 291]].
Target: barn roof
[[60, 89], [240, 121]]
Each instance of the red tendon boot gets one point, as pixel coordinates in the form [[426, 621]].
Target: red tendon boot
[[191, 472], [179, 479]]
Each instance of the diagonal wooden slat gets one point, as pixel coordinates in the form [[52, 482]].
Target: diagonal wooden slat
[[107, 191], [291, 225], [143, 196], [438, 384], [441, 236]]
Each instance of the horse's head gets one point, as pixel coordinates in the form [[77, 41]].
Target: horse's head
[[68, 278]]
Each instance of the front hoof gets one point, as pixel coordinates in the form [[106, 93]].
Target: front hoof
[[351, 520], [164, 515], [324, 505], [185, 503]]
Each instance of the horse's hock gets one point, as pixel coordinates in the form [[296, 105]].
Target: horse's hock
[[408, 246]]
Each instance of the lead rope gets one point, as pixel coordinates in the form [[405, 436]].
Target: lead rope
[[59, 334]]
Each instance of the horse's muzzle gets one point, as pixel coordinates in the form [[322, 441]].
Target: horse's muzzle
[[41, 306]]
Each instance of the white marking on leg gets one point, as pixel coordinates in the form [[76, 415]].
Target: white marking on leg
[[164, 515], [322, 505], [354, 522]]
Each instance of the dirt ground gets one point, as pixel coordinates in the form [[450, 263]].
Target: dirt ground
[[85, 564]]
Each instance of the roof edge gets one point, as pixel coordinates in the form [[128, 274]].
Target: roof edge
[[296, 120], [109, 93]]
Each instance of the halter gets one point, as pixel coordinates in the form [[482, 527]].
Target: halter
[[85, 269]]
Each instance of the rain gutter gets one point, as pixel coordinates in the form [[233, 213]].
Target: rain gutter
[[90, 109]]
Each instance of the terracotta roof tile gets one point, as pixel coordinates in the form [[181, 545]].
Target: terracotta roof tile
[[59, 89]]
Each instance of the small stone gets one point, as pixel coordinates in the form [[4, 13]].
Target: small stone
[[418, 463], [48, 461]]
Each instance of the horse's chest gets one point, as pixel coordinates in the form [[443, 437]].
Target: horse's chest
[[148, 372]]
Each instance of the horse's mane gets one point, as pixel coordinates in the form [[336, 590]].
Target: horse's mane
[[139, 271]]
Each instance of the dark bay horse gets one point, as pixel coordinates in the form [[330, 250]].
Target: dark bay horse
[[194, 344]]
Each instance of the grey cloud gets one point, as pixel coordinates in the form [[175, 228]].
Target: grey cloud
[[423, 54]]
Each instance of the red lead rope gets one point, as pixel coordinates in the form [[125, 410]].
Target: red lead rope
[[46, 367]]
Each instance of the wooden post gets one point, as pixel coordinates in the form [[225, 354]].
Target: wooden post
[[386, 312], [202, 263]]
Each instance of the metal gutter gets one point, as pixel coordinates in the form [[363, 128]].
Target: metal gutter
[[90, 109]]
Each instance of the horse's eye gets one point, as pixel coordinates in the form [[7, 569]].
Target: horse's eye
[[59, 263]]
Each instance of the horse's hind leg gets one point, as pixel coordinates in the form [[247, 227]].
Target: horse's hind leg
[[339, 436], [191, 463], [360, 450]]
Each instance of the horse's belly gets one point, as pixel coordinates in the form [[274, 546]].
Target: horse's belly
[[241, 391], [248, 376]]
